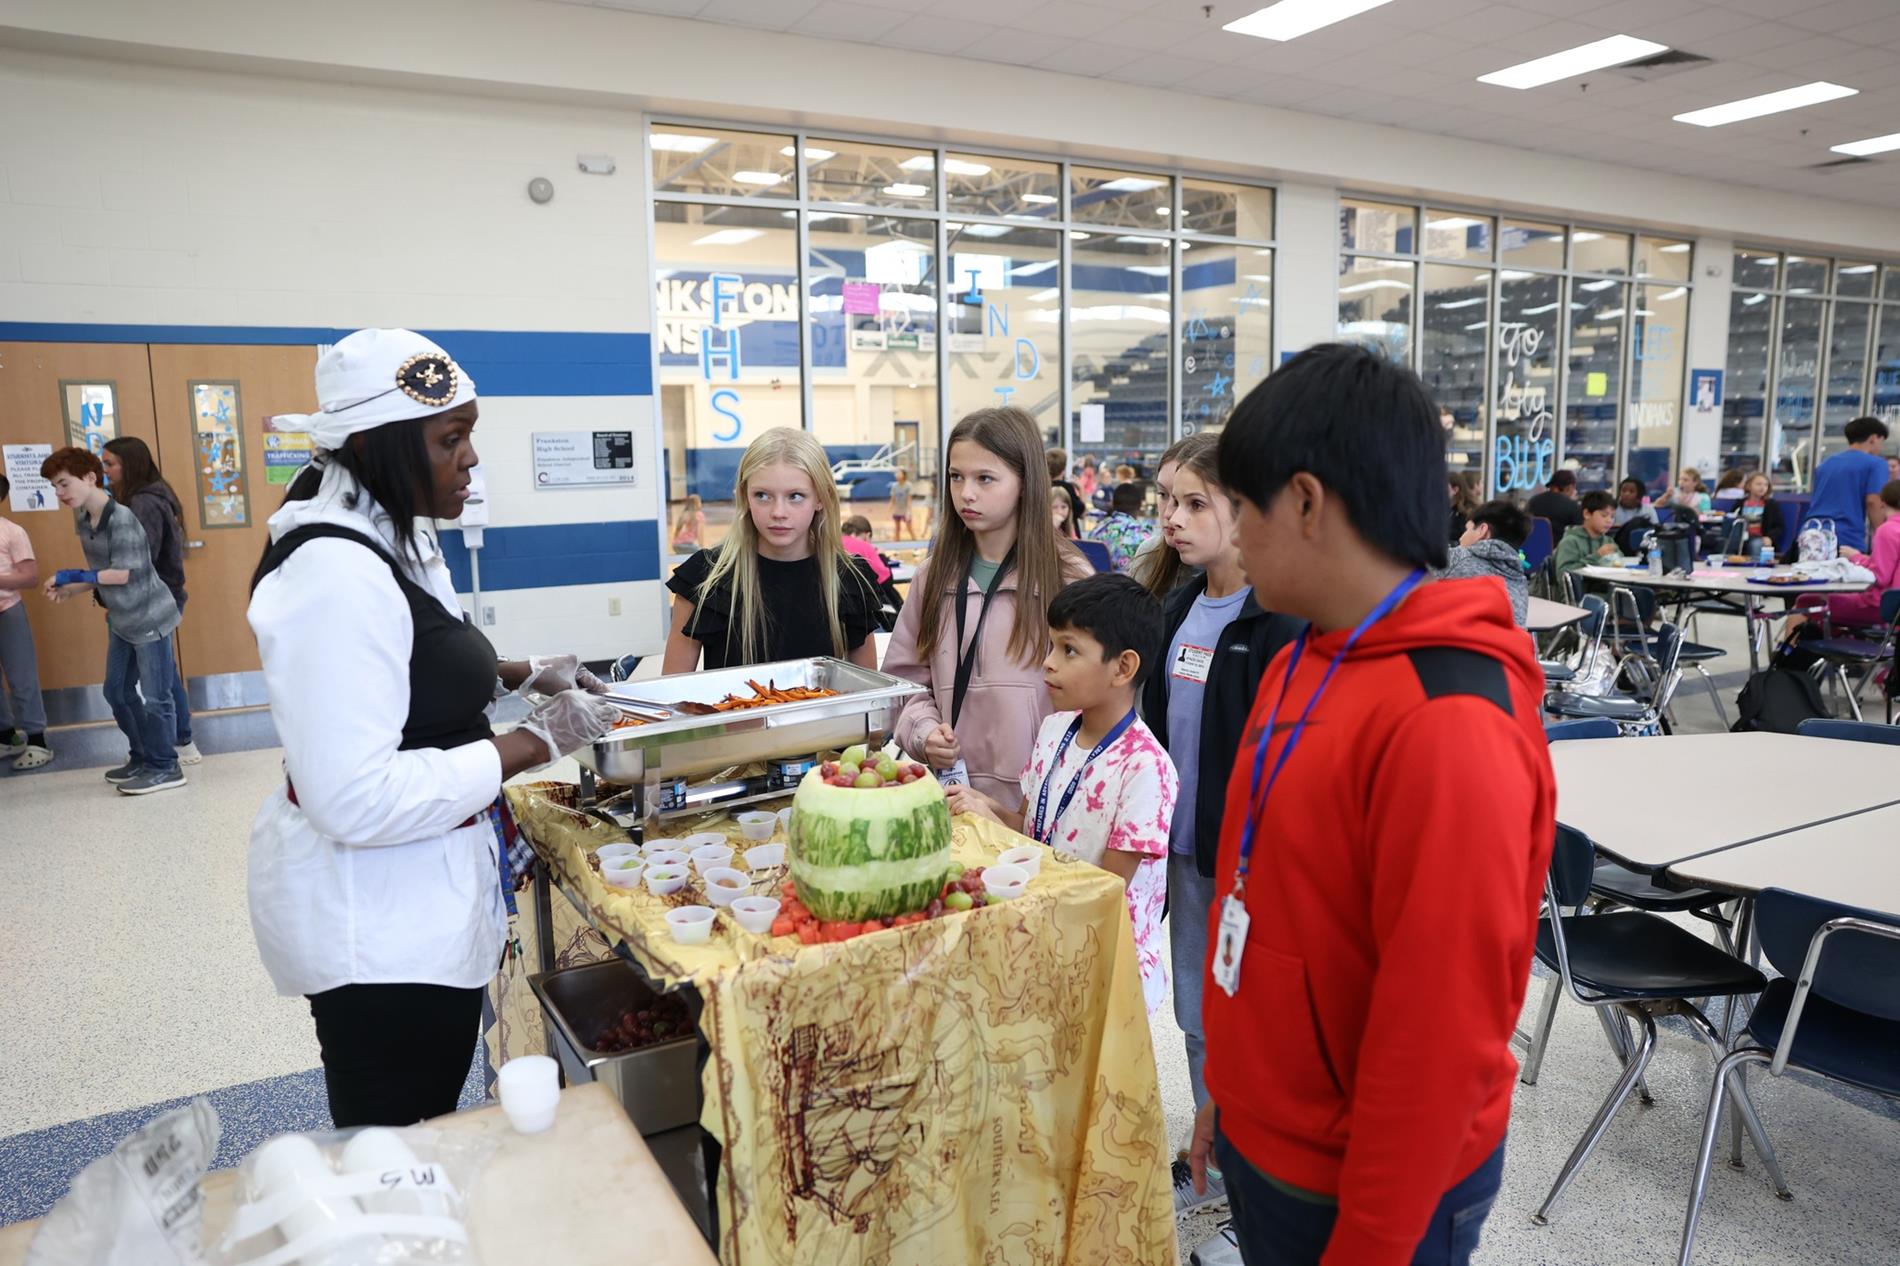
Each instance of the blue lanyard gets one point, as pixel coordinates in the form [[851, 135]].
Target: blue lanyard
[[1055, 763], [1258, 795]]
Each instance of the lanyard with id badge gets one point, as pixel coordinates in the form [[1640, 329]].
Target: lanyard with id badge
[[958, 774], [1231, 940], [1045, 831]]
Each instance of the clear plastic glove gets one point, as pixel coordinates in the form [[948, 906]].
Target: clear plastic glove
[[551, 674], [569, 721]]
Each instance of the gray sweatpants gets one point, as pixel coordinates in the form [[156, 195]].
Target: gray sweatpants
[[21, 667], [1190, 897]]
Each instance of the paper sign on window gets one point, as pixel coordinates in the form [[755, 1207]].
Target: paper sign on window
[[218, 437]]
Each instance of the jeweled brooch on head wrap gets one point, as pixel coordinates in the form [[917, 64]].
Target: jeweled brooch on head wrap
[[427, 378]]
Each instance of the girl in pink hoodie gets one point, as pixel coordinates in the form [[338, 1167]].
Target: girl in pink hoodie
[[976, 628]]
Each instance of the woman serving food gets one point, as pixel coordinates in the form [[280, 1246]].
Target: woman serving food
[[379, 884]]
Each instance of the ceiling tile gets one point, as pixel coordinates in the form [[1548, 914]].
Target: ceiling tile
[[1082, 58], [1743, 41], [1062, 17], [1803, 52], [1427, 15], [937, 35], [1216, 46], [1001, 12], [1633, 17], [1491, 23], [1551, 37], [1880, 31], [1020, 48], [1143, 34], [845, 20], [1764, 8], [1840, 14], [773, 15], [664, 8], [1163, 71]]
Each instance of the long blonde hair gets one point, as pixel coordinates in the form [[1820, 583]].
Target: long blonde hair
[[739, 553], [1160, 569], [1011, 436]]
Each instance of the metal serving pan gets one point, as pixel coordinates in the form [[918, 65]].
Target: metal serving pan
[[685, 746]]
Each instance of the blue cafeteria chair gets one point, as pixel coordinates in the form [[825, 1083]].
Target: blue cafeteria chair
[[1852, 731], [1834, 1012], [1633, 965]]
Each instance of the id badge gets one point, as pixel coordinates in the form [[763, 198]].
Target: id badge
[[1229, 943], [957, 775], [1191, 663]]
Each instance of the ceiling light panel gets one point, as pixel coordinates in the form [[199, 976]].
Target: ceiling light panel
[[1290, 19], [1768, 103], [1572, 62], [1872, 145]]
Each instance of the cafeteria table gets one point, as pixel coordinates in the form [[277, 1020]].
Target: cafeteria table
[[585, 1192], [1657, 801], [1545, 616], [1853, 859], [1739, 582]]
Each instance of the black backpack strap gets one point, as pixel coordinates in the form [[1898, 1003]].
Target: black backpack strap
[[289, 543]]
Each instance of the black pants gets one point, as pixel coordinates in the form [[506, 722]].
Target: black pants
[[395, 1054]]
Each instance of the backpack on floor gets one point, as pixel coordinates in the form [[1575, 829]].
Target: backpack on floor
[[1777, 700]]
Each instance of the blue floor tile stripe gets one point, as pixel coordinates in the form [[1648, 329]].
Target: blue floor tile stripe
[[42, 1164]]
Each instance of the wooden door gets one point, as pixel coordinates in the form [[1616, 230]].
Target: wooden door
[[71, 637], [218, 467]]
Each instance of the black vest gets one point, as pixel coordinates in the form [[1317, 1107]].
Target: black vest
[[451, 665]]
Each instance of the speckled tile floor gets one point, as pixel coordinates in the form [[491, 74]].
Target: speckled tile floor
[[131, 980]]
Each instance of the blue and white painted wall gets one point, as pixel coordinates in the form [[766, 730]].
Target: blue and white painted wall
[[223, 207]]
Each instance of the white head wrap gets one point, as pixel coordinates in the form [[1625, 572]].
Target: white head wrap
[[377, 376]]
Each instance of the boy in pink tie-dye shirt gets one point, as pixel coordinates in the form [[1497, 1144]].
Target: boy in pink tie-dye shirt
[[1099, 786]]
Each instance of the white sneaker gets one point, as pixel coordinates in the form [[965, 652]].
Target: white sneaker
[[188, 754], [12, 743], [32, 756]]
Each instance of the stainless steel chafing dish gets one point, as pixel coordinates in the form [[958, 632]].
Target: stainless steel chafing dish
[[659, 758]]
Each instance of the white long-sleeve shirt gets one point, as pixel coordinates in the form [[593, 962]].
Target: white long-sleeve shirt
[[368, 879]]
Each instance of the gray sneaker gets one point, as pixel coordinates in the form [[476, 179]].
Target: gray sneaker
[[126, 772], [1218, 1249], [152, 780], [1187, 1200]]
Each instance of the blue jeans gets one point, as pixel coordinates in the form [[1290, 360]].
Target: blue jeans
[[1190, 898], [138, 687], [1277, 1229], [181, 706]]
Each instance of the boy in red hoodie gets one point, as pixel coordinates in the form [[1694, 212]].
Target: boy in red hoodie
[[1369, 955]]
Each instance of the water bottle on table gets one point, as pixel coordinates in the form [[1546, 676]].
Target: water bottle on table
[[1652, 550]]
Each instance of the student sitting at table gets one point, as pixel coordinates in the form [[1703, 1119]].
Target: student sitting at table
[[1759, 509], [1589, 544], [1728, 491], [1860, 611], [1493, 545], [855, 536], [1108, 635], [1686, 493], [1632, 502]]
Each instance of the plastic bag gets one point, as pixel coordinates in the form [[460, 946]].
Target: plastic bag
[[369, 1197], [140, 1205]]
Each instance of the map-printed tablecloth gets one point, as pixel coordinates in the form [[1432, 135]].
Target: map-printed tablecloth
[[978, 1088]]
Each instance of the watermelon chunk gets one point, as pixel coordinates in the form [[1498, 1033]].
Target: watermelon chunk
[[871, 852]]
